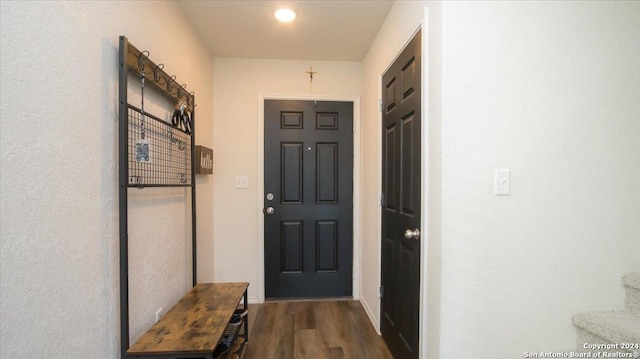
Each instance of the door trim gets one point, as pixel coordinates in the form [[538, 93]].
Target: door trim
[[357, 213], [429, 307], [431, 208], [424, 238]]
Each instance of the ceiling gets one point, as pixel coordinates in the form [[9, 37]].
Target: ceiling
[[331, 30]]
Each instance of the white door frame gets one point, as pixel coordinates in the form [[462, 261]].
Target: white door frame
[[357, 212]]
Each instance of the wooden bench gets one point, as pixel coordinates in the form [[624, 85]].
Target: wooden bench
[[194, 327]]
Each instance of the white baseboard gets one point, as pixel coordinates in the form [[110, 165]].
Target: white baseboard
[[253, 300], [372, 317]]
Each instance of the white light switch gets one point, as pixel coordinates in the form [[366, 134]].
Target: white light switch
[[242, 182], [502, 182]]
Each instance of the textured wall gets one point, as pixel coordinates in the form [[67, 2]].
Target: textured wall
[[551, 91], [59, 206]]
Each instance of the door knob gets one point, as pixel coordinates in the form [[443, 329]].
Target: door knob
[[412, 234], [269, 210]]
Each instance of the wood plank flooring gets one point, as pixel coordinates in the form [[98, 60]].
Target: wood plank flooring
[[322, 329]]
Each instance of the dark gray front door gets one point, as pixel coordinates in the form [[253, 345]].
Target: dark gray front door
[[308, 185], [401, 89]]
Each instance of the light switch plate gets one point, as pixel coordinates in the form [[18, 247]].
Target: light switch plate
[[502, 182], [242, 182]]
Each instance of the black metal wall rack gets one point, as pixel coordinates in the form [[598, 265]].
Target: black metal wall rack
[[172, 149]]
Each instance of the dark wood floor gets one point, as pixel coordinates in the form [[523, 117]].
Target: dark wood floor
[[332, 329]]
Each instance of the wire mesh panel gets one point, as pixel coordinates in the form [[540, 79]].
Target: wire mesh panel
[[169, 152]]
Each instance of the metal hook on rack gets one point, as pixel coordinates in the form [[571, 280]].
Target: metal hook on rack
[[156, 76], [181, 92], [183, 177], [138, 181], [170, 82], [192, 100], [181, 144], [143, 54]]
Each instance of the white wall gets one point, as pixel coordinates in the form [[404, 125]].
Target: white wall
[[59, 193], [237, 84], [551, 91]]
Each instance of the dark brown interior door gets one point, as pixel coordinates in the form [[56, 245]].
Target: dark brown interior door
[[308, 184], [401, 202]]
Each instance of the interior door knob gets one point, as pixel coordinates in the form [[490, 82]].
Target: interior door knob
[[412, 234], [269, 210]]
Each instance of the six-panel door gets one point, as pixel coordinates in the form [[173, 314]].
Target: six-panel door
[[401, 186], [308, 173]]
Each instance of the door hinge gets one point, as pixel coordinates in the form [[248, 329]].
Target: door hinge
[[380, 295], [381, 105], [381, 199]]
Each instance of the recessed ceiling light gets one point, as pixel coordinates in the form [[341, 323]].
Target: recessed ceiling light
[[285, 15]]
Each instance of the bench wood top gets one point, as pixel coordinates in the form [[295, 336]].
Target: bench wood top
[[195, 324]]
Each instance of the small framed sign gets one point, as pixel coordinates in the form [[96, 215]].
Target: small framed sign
[[204, 160]]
